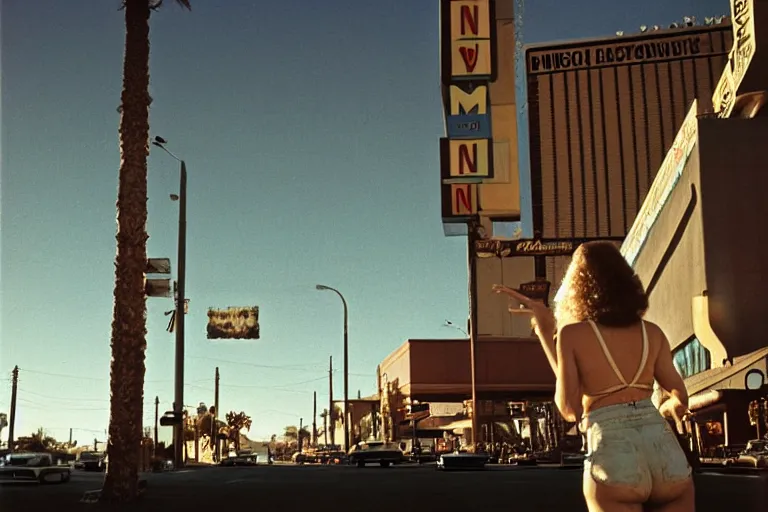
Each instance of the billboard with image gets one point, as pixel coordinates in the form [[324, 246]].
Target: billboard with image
[[233, 323]]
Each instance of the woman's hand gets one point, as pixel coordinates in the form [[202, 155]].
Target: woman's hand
[[543, 321], [673, 409]]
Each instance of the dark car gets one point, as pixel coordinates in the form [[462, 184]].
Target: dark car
[[91, 461], [375, 452], [240, 460], [754, 455]]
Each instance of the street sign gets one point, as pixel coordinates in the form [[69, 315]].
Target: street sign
[[157, 287], [158, 266]]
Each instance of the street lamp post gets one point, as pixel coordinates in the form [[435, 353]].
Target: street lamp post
[[452, 325], [178, 395], [346, 363]]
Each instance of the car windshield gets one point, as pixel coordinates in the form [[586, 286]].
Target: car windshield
[[89, 455], [25, 460], [758, 446]]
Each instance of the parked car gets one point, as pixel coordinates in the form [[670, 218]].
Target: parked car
[[91, 461], [240, 460], [375, 452], [33, 468], [754, 455]]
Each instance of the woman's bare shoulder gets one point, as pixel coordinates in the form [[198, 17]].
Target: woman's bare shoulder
[[653, 329], [575, 330]]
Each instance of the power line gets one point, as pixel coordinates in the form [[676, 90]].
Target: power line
[[80, 377], [290, 367]]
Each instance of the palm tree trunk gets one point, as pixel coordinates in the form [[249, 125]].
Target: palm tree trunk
[[129, 318]]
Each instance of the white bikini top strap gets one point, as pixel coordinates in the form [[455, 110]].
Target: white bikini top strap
[[608, 355], [644, 358]]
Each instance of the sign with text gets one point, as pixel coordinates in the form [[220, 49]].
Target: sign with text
[[536, 290], [233, 323], [468, 112], [666, 179], [445, 409], [743, 19], [593, 156], [466, 160], [739, 59], [626, 52], [724, 97], [459, 201], [533, 247], [467, 39]]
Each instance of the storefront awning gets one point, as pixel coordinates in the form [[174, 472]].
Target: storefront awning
[[458, 425], [728, 377]]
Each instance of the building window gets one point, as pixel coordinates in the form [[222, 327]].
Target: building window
[[692, 358]]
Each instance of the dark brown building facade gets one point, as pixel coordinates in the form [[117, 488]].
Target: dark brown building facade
[[602, 116], [698, 248]]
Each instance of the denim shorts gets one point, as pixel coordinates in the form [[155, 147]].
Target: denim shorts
[[632, 445]]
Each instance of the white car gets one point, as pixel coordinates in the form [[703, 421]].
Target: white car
[[33, 468]]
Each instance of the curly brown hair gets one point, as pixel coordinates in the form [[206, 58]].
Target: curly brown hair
[[599, 285]]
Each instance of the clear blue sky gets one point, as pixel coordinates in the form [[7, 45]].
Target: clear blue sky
[[311, 133]]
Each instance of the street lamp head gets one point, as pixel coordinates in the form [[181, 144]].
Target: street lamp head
[[174, 197], [321, 287], [159, 140]]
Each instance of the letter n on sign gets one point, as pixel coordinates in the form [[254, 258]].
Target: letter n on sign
[[463, 199], [470, 159], [459, 201]]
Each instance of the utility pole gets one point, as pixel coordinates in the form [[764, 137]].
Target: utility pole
[[301, 427], [157, 405], [314, 419], [181, 303], [325, 430], [14, 389], [180, 307], [472, 226], [70, 437], [331, 410], [214, 434]]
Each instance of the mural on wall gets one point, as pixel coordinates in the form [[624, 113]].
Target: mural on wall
[[233, 323]]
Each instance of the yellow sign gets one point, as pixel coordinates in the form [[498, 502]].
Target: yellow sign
[[725, 94], [469, 159], [463, 103], [743, 21], [470, 38]]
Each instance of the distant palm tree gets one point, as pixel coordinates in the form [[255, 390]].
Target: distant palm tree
[[37, 442], [129, 317], [237, 421]]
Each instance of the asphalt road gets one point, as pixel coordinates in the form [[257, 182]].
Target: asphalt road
[[372, 489]]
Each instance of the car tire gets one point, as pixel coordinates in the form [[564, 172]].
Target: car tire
[[65, 477], [360, 463], [384, 463]]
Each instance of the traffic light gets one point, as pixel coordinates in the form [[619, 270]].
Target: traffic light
[[170, 419]]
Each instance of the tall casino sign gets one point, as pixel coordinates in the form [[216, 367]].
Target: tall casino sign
[[468, 65]]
